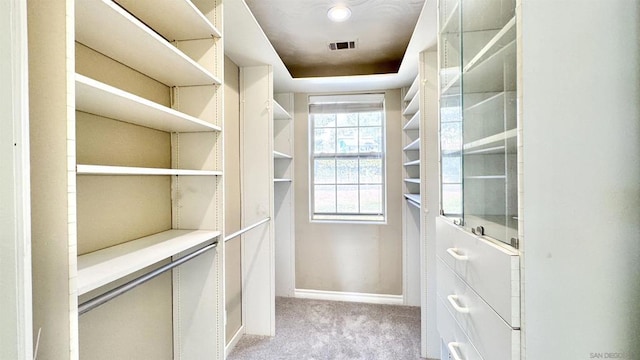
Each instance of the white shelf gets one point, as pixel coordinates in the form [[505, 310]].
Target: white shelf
[[413, 123], [413, 106], [491, 75], [505, 36], [486, 177], [163, 15], [412, 163], [414, 198], [414, 145], [109, 29], [82, 169], [495, 101], [104, 266], [452, 23], [452, 87], [412, 180], [278, 180], [279, 113], [490, 144], [101, 99], [413, 89], [279, 155]]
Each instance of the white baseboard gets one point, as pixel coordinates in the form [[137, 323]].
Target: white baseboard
[[349, 296], [234, 341]]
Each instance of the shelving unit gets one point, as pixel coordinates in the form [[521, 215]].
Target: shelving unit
[[479, 191], [148, 168], [283, 162]]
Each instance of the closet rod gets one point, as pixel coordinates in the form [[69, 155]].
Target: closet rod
[[111, 294], [242, 231]]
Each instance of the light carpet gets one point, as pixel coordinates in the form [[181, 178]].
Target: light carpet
[[318, 329]]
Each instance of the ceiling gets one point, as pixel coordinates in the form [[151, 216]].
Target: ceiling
[[246, 43], [300, 32]]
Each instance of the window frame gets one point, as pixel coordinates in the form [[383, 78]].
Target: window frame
[[357, 217]]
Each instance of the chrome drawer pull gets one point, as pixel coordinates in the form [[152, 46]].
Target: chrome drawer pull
[[453, 300], [454, 253], [453, 349]]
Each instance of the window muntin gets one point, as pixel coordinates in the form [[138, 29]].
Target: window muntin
[[347, 158]]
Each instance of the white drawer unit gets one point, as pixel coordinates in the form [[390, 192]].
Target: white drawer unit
[[489, 333], [455, 343], [491, 270]]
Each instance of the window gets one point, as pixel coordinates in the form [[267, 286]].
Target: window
[[347, 157]]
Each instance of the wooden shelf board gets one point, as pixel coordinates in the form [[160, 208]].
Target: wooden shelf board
[[109, 29], [413, 180], [101, 99], [104, 266], [452, 23], [413, 89], [496, 100], [413, 197], [489, 75], [413, 123], [280, 155], [412, 163], [83, 169], [413, 106], [452, 86], [505, 36], [276, 180], [163, 15], [490, 142], [414, 145], [279, 113]]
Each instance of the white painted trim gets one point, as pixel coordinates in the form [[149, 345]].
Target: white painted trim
[[234, 341], [349, 296]]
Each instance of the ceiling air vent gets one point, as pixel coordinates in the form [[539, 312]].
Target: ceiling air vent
[[342, 45]]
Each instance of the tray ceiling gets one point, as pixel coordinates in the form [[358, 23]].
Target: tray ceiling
[[301, 32]]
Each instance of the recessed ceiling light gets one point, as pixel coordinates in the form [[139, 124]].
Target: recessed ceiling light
[[339, 13]]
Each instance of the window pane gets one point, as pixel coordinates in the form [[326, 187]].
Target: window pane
[[347, 171], [324, 198], [452, 198], [451, 137], [347, 120], [324, 141], [324, 120], [347, 140], [371, 171], [324, 171], [451, 169], [371, 199], [347, 198], [371, 139], [371, 118]]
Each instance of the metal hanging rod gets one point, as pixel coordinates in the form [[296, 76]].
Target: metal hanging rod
[[242, 231], [111, 294]]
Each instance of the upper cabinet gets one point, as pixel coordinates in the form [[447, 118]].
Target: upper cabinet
[[478, 116]]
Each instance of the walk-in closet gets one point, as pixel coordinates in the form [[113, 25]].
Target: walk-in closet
[[319, 179]]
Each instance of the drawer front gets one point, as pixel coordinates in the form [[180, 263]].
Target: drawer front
[[489, 333], [489, 269], [453, 337]]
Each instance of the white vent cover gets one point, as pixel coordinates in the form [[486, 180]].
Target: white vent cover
[[342, 45]]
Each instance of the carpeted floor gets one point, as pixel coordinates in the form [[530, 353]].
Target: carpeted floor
[[315, 329]]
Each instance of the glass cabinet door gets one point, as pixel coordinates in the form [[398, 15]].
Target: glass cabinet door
[[450, 108], [485, 120]]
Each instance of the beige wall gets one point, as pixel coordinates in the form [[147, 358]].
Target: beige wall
[[349, 257], [233, 280]]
